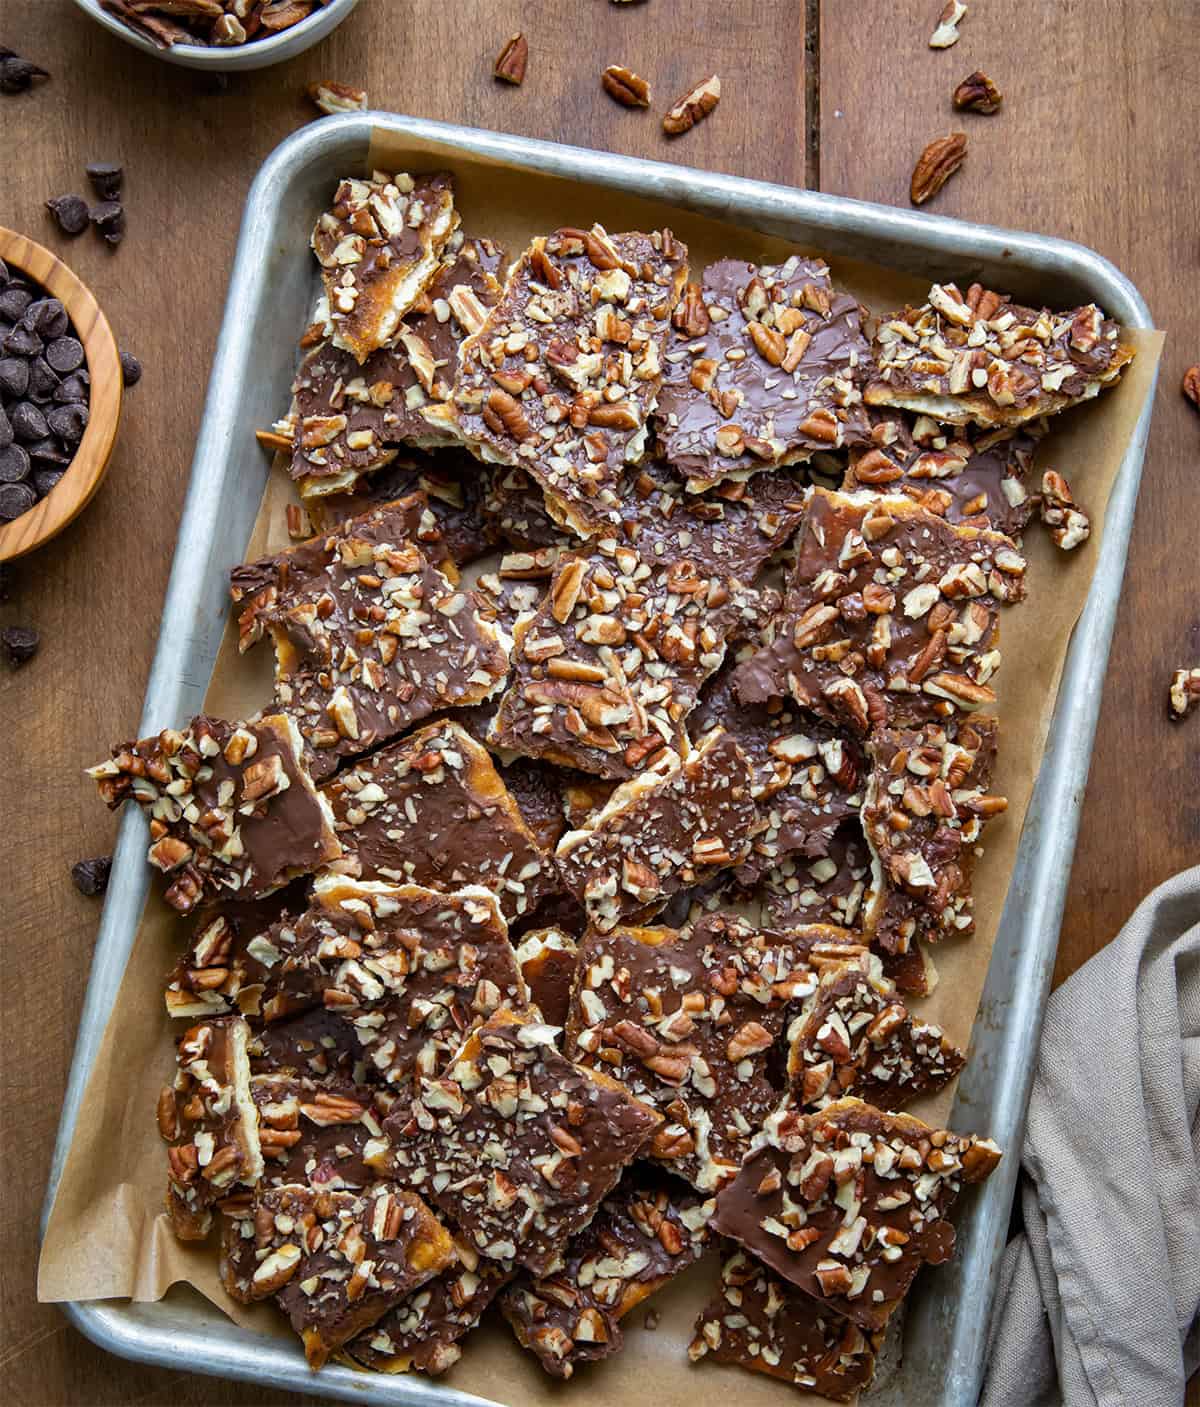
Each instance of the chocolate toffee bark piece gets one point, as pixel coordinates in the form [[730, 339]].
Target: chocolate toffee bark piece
[[369, 636], [613, 659], [379, 248], [316, 1132], [222, 971], [961, 475], [547, 958], [984, 360], [432, 810], [208, 1120], [561, 910], [854, 1035], [925, 807], [423, 1331], [316, 1044], [807, 776], [409, 967], [515, 506], [761, 1323], [337, 1262], [233, 811], [515, 1143], [561, 378], [764, 366], [675, 825], [452, 526], [841, 887], [847, 1204], [891, 615], [688, 1022], [644, 1234], [346, 419], [534, 786]]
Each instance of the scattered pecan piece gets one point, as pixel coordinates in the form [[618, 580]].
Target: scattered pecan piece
[[936, 164], [1069, 525], [1185, 692], [946, 32], [511, 61], [625, 87], [977, 93], [1191, 385], [332, 97], [693, 107]]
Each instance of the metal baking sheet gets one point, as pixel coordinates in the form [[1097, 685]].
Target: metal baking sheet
[[269, 293]]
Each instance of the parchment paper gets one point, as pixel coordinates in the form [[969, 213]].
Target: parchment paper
[[108, 1235]]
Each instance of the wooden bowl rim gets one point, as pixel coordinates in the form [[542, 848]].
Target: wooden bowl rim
[[75, 490]]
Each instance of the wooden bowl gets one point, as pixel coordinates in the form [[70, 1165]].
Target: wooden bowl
[[71, 495]]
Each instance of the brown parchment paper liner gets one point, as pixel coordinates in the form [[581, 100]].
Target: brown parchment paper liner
[[108, 1234]]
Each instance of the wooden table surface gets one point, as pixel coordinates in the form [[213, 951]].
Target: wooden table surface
[[1095, 142]]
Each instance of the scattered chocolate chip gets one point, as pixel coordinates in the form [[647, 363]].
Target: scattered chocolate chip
[[20, 643], [6, 430], [28, 422], [70, 211], [65, 354], [106, 177], [14, 464], [14, 300], [16, 73], [47, 451], [47, 317], [15, 499], [46, 479], [131, 369], [109, 219], [68, 422], [14, 376], [72, 388], [22, 341], [43, 380], [91, 876], [5, 276]]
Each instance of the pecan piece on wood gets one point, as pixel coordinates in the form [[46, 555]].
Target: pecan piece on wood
[[511, 61], [936, 164], [1185, 692], [693, 107], [977, 93], [1069, 525], [946, 32], [1191, 385], [625, 87], [333, 97]]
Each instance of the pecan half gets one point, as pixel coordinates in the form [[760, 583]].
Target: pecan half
[[946, 32], [693, 107], [332, 97], [511, 61], [977, 93], [625, 87], [1191, 385], [936, 164]]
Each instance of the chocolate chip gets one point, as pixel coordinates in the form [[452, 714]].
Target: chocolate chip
[[28, 422], [70, 211], [14, 300], [46, 479], [109, 219], [105, 177], [5, 276], [14, 376], [6, 430], [47, 317], [68, 422], [22, 342], [20, 643], [91, 876], [65, 354], [72, 388], [43, 380], [16, 74], [47, 451], [15, 499], [14, 464], [131, 369]]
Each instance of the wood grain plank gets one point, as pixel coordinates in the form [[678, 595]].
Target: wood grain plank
[[190, 148], [1084, 147]]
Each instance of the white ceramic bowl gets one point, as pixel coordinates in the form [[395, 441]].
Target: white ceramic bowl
[[258, 53]]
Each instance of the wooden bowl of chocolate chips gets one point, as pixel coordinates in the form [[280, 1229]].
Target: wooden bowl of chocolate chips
[[60, 395]]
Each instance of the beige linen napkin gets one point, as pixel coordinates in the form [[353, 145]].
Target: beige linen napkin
[[1099, 1292]]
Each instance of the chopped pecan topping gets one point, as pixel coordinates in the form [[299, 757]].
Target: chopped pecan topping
[[1068, 523]]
